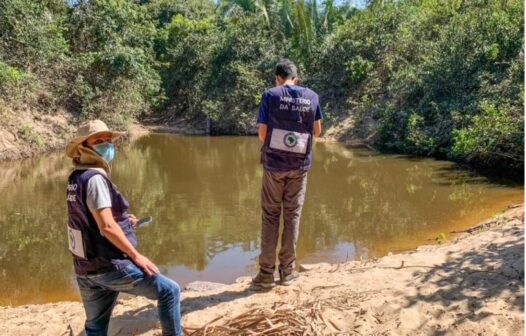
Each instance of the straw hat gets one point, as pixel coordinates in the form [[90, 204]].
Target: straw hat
[[88, 129]]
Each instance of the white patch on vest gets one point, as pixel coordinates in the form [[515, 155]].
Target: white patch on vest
[[76, 244], [289, 141], [71, 196]]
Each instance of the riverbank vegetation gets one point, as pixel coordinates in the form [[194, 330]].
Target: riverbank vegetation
[[428, 77]]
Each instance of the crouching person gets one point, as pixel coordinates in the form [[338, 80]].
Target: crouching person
[[102, 241]]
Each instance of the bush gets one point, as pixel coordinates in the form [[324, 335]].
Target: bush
[[433, 74], [427, 77], [11, 80], [493, 138], [116, 74], [217, 69]]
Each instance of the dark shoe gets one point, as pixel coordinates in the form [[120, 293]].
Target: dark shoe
[[286, 279], [263, 281]]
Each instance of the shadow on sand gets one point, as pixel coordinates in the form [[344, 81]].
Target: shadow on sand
[[475, 277], [143, 319]]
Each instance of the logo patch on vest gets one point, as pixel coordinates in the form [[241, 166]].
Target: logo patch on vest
[[76, 245], [289, 141]]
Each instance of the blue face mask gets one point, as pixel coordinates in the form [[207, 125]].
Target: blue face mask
[[106, 151]]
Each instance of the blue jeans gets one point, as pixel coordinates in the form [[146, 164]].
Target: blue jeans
[[99, 295]]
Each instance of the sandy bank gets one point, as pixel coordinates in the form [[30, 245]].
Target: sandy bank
[[25, 133], [472, 285]]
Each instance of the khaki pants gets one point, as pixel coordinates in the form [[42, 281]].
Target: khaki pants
[[287, 189]]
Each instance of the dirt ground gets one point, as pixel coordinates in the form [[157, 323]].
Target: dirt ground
[[25, 133]]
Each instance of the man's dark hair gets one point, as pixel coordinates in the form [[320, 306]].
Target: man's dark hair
[[286, 69]]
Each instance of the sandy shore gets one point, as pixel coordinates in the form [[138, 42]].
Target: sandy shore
[[471, 285]]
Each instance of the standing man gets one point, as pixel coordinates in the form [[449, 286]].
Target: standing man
[[289, 116]]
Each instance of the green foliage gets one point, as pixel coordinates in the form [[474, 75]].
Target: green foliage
[[440, 238], [430, 77], [188, 49], [11, 81], [9, 74], [240, 73], [28, 134], [217, 69], [358, 68], [32, 32], [440, 78], [112, 41], [33, 51], [493, 137]]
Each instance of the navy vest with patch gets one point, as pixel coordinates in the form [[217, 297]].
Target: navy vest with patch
[[288, 143], [98, 254]]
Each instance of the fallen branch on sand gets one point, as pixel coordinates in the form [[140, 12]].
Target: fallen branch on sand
[[305, 319]]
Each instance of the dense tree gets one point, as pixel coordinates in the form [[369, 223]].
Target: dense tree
[[430, 77], [440, 78], [112, 42], [33, 51]]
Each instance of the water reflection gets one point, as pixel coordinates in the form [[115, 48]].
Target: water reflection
[[204, 196]]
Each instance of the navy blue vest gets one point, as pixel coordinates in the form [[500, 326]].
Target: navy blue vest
[[97, 254], [291, 113]]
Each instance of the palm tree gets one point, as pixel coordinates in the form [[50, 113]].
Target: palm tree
[[296, 23], [251, 6]]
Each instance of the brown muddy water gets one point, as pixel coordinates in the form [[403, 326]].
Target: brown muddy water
[[203, 193]]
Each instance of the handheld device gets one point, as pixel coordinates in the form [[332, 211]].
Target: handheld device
[[144, 221]]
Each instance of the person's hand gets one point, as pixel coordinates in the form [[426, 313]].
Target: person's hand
[[133, 220], [145, 264]]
